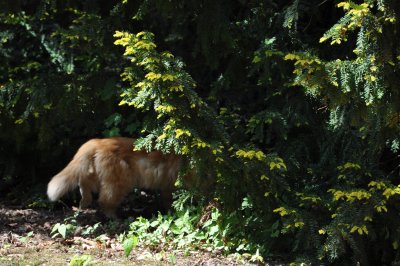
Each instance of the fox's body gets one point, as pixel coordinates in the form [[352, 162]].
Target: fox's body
[[112, 168]]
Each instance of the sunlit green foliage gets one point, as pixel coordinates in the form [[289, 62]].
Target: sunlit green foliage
[[358, 89], [160, 84]]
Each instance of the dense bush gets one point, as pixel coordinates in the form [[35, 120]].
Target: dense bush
[[290, 109]]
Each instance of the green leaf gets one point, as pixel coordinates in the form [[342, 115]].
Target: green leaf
[[55, 228], [82, 260], [172, 258], [62, 229], [214, 230], [129, 244]]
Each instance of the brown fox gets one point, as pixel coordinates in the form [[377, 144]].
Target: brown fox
[[112, 168]]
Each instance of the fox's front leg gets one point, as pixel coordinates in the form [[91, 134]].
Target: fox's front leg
[[166, 199]]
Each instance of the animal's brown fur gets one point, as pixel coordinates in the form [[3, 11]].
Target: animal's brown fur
[[111, 168]]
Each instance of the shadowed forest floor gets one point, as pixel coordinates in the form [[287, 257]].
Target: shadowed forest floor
[[25, 240]]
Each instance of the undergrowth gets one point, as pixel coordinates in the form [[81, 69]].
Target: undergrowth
[[187, 229]]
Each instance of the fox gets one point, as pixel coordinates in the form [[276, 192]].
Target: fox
[[112, 168]]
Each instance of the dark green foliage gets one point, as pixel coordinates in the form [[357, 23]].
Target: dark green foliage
[[58, 81]]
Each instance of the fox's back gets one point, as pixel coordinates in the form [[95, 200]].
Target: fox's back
[[151, 170]]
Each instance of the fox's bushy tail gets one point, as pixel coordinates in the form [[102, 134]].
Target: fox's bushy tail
[[68, 178]]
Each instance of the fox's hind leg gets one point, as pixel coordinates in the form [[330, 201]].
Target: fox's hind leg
[[87, 186], [115, 182], [86, 199], [109, 199]]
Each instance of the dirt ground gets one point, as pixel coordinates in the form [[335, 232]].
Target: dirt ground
[[25, 240]]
